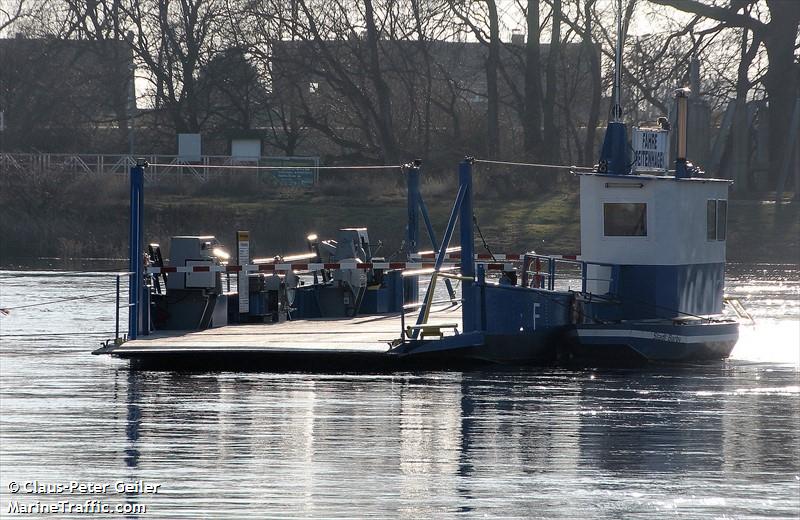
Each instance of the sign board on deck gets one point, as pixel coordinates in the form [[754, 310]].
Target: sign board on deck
[[650, 150]]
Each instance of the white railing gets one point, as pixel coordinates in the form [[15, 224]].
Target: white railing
[[119, 164]]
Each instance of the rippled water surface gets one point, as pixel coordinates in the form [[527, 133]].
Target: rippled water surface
[[716, 441]]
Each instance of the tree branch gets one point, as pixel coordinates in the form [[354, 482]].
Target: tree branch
[[729, 16]]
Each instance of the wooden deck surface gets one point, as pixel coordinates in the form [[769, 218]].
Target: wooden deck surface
[[360, 335]]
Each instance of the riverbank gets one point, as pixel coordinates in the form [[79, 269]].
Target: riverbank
[[85, 218]]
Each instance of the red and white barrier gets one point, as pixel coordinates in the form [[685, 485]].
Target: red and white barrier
[[269, 268], [480, 256], [514, 257]]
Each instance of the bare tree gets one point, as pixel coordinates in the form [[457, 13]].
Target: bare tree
[[583, 25], [383, 95], [532, 120], [779, 36], [174, 39], [476, 20], [10, 13], [552, 138], [740, 135]]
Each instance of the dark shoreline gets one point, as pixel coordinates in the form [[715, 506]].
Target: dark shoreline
[[56, 218]]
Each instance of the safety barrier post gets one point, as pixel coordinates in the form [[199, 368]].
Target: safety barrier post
[[467, 247], [584, 272]]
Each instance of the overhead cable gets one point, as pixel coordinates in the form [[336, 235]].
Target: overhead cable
[[535, 165]]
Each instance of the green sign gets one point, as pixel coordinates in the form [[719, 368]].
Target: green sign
[[294, 171], [294, 176]]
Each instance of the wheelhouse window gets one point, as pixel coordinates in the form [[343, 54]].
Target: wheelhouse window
[[625, 219], [722, 219], [711, 219], [716, 219]]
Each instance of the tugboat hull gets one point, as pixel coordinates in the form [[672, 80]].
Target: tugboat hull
[[654, 342]]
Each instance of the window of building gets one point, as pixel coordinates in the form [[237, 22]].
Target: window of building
[[716, 219], [625, 219]]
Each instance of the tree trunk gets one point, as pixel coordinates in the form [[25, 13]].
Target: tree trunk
[[741, 130], [426, 56], [781, 79], [382, 92], [493, 103], [552, 140], [594, 66], [532, 123]]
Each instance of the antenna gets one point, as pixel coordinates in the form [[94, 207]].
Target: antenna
[[616, 109]]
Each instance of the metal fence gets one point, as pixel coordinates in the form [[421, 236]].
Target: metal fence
[[292, 171]]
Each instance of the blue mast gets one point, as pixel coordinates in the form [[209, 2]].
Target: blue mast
[[136, 248], [614, 154]]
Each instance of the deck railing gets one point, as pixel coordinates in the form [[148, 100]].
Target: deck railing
[[541, 271], [117, 339]]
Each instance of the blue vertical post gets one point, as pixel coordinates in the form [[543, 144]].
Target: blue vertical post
[[469, 310], [135, 248], [411, 283]]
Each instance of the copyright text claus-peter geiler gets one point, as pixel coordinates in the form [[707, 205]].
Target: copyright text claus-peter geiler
[[38, 487]]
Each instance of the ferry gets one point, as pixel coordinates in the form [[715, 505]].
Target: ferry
[[647, 286]]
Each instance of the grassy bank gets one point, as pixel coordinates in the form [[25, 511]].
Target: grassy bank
[[78, 216]]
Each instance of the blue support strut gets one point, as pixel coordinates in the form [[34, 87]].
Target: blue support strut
[[136, 250], [434, 243], [469, 309], [440, 256]]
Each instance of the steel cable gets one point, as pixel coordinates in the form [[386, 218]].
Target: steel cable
[[536, 165]]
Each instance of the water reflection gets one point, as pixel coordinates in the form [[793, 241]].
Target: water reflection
[[650, 424], [714, 440], [133, 420], [427, 444]]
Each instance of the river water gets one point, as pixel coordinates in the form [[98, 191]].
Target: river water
[[720, 440]]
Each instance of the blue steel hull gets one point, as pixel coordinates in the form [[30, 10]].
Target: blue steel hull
[[540, 347], [606, 344], [518, 325], [677, 342], [531, 326]]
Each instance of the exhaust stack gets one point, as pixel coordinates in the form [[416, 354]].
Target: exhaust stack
[[682, 100]]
